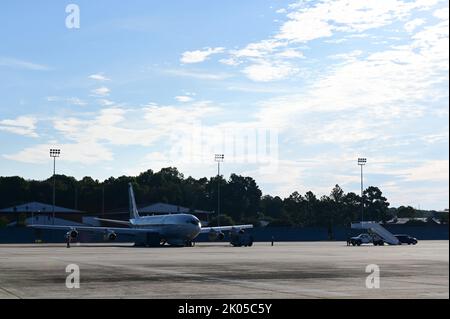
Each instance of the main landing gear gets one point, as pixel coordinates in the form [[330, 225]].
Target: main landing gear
[[190, 243]]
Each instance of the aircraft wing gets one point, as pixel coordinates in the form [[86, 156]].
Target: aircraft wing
[[114, 221], [128, 231], [225, 228]]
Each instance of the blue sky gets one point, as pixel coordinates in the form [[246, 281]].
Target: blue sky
[[293, 92]]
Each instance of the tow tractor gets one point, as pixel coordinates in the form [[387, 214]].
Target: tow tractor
[[239, 239]]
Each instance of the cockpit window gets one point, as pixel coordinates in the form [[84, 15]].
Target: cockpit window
[[192, 221]]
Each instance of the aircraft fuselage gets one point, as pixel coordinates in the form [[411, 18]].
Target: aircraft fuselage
[[177, 229]]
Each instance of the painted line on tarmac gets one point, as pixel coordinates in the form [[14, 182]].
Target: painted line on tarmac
[[10, 293], [267, 287]]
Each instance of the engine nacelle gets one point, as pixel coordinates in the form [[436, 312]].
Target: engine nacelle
[[73, 234], [215, 235], [110, 236]]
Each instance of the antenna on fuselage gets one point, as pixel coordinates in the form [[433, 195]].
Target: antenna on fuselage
[[134, 214]]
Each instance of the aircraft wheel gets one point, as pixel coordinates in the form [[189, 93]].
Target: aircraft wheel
[[189, 244]]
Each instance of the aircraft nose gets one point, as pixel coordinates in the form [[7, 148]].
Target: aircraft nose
[[198, 228]]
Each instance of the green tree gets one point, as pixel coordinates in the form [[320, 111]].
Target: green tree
[[310, 209], [351, 208], [272, 206], [224, 220], [337, 194], [376, 205], [243, 197], [406, 212], [294, 206]]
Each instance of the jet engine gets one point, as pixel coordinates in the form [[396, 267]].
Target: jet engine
[[110, 236], [214, 235], [73, 234]]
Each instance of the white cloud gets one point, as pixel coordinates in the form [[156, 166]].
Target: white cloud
[[258, 49], [111, 126], [303, 28], [101, 91], [86, 153], [106, 102], [432, 170], [285, 180], [441, 13], [230, 61], [198, 56], [22, 125], [439, 137], [347, 57], [417, 196], [99, 77], [183, 98], [90, 140], [267, 60], [410, 26], [163, 117], [76, 101], [195, 74], [155, 160], [322, 19], [69, 100], [21, 64], [379, 83], [264, 71], [291, 53], [336, 41]]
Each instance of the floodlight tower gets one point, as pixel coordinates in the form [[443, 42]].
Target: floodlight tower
[[362, 162], [54, 153], [219, 159]]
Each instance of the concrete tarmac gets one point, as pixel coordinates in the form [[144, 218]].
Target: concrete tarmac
[[216, 270]]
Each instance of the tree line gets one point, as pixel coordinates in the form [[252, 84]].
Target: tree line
[[241, 198]]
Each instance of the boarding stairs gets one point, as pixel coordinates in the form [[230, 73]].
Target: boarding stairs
[[376, 228]]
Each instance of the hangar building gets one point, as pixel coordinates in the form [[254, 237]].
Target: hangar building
[[40, 213]]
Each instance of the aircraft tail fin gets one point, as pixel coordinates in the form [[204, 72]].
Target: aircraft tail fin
[[133, 209]]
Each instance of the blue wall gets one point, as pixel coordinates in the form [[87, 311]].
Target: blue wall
[[22, 235], [12, 235], [434, 232]]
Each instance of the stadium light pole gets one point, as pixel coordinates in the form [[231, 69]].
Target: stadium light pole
[[362, 162], [54, 153], [219, 159]]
